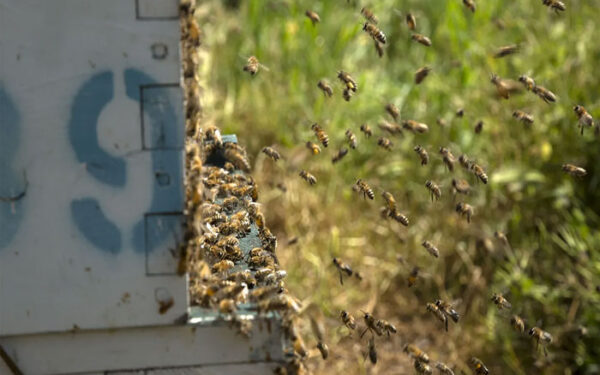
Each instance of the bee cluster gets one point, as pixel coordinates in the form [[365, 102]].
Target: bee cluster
[[223, 208]]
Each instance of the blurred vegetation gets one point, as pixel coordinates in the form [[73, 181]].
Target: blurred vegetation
[[551, 271]]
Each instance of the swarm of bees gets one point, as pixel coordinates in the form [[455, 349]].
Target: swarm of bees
[[223, 209]]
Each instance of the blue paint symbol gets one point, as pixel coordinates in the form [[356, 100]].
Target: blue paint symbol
[[95, 226], [13, 184]]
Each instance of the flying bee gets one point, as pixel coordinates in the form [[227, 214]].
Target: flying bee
[[324, 349], [431, 249], [500, 301], [540, 335], [321, 135], [470, 4], [421, 74], [252, 65], [369, 16], [325, 87], [222, 266], [342, 268], [418, 354], [393, 111], [478, 127], [555, 5], [574, 170], [506, 50], [386, 327], [347, 94], [339, 155], [272, 153], [422, 39], [448, 158], [422, 368], [461, 186], [372, 351], [517, 323], [366, 129], [448, 310], [439, 315], [460, 112], [308, 177], [479, 172], [524, 117], [527, 81], [585, 119], [502, 238], [412, 277], [465, 209], [423, 155], [365, 189], [501, 86], [348, 320], [374, 32], [313, 16], [402, 219], [313, 147], [379, 48], [478, 367], [389, 127], [434, 190], [444, 369], [389, 200], [351, 139], [415, 127], [411, 22], [348, 81], [371, 324], [545, 94]]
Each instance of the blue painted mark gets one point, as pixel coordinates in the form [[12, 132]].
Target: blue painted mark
[[12, 183], [95, 226], [164, 130], [89, 101]]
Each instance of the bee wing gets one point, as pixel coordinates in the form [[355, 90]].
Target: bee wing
[[264, 67]]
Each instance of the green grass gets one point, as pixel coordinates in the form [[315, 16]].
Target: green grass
[[553, 269]]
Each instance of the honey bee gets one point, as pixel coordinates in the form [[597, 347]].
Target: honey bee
[[501, 86], [379, 48], [342, 268], [374, 32], [393, 111], [339, 155], [434, 190], [369, 16], [432, 308], [422, 368], [386, 327], [365, 189], [324, 349], [524, 117], [585, 119], [252, 65], [448, 310], [421, 74], [313, 16], [527, 81], [460, 112], [321, 135], [389, 127], [500, 301], [478, 367], [366, 129], [402, 219], [431, 249], [461, 186], [227, 306], [412, 277], [348, 320], [501, 237], [413, 351], [422, 39], [372, 351], [213, 134], [237, 157], [348, 81], [423, 155], [444, 369], [347, 94], [222, 266], [389, 200], [479, 172], [411, 22], [313, 147], [574, 170], [555, 5], [470, 4], [465, 209], [478, 127], [448, 158], [272, 153], [540, 335], [371, 325], [546, 95], [308, 177], [325, 87], [506, 50], [351, 139], [415, 126], [517, 323]]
